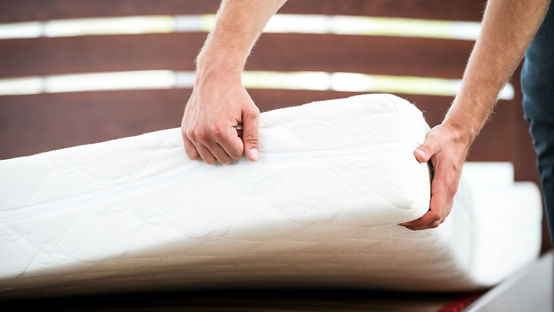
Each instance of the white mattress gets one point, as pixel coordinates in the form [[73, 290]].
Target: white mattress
[[319, 208]]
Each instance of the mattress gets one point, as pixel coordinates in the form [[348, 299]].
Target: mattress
[[320, 208]]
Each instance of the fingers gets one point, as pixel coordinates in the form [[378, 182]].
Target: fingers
[[447, 152], [231, 143], [434, 217], [217, 151], [443, 188], [205, 154], [190, 148], [212, 144], [207, 147], [218, 103], [250, 124], [429, 148], [191, 151]]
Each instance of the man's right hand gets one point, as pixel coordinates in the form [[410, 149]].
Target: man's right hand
[[218, 104]]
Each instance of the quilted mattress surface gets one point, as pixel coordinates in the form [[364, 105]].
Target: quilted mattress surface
[[321, 207]]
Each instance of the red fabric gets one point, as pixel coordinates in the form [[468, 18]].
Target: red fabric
[[460, 303]]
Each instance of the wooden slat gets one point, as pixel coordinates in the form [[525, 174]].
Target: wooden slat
[[280, 52], [25, 10], [462, 10], [365, 54], [46, 56], [36, 123], [30, 10]]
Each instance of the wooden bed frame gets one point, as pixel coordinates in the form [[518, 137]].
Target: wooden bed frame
[[35, 123]]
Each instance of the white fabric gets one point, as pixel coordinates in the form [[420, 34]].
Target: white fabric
[[319, 208]]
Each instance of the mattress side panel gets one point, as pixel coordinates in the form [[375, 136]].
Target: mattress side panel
[[507, 230]]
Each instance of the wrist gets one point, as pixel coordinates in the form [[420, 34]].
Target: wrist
[[219, 66], [460, 132], [218, 75], [214, 68], [220, 59], [466, 116]]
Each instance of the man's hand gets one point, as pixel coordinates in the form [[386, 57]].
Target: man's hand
[[508, 26], [217, 105], [219, 102], [447, 148]]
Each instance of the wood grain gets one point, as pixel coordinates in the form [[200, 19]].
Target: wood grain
[[30, 10], [36, 123], [276, 52]]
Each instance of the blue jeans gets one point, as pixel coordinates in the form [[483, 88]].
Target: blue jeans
[[537, 83]]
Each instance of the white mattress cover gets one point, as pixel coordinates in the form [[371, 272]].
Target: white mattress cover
[[319, 208]]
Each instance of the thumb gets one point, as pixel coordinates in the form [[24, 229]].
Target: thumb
[[425, 151], [250, 125]]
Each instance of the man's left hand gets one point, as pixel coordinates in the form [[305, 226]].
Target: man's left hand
[[447, 148]]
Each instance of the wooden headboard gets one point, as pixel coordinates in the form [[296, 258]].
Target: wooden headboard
[[39, 122]]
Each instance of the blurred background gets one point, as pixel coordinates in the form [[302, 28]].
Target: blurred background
[[78, 72]]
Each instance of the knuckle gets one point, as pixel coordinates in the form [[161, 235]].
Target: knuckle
[[252, 113], [435, 217], [429, 137], [189, 133], [201, 134], [252, 139], [216, 132]]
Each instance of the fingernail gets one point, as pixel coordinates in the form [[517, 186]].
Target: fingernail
[[421, 153], [254, 153]]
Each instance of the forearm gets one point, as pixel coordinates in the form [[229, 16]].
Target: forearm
[[239, 23], [507, 29]]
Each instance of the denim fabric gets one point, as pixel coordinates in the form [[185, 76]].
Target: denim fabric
[[537, 83], [543, 140], [537, 75]]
